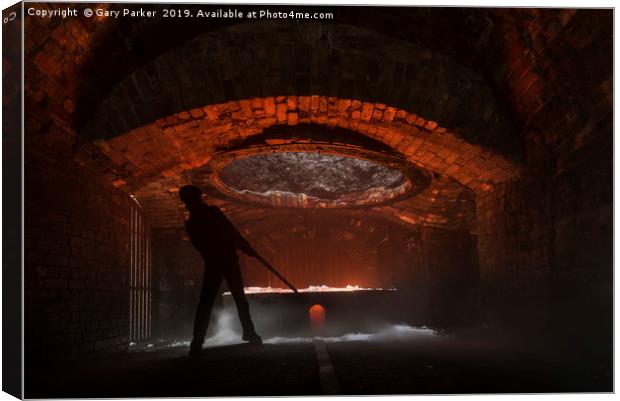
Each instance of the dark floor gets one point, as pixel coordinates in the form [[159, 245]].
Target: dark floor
[[452, 368], [228, 370], [398, 366]]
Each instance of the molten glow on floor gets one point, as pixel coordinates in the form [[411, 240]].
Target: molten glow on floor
[[312, 288]]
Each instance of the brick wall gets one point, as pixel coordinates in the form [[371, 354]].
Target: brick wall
[[546, 237], [452, 272], [549, 241], [76, 262], [179, 268], [305, 59], [436, 273], [535, 84]]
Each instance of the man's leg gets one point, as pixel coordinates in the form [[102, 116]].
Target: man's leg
[[210, 286], [235, 284]]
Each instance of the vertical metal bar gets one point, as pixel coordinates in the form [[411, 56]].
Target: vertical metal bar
[[140, 277], [131, 268], [143, 261], [138, 322], [139, 251], [146, 285], [130, 264], [144, 296], [131, 300], [135, 272], [133, 283], [135, 263], [142, 292], [150, 281]]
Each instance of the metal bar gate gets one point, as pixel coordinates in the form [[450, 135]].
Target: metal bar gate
[[140, 277]]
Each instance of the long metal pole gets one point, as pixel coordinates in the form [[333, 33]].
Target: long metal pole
[[274, 271]]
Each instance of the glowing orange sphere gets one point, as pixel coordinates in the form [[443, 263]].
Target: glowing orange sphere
[[317, 316]]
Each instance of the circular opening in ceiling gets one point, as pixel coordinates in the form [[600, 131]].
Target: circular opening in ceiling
[[310, 175], [321, 177]]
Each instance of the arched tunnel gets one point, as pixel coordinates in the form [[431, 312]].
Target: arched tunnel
[[451, 166]]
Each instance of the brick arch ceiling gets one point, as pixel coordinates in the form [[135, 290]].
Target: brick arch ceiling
[[271, 59], [169, 146], [152, 161], [119, 46], [71, 64], [124, 163]]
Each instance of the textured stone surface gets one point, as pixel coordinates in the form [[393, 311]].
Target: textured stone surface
[[76, 242], [151, 162], [317, 69], [352, 175], [550, 230], [315, 175], [510, 110], [179, 269]]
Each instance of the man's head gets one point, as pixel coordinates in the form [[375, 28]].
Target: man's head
[[190, 195]]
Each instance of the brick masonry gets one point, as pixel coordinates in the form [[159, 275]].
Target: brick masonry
[[235, 64], [522, 139], [152, 161], [76, 262], [550, 230], [178, 268]]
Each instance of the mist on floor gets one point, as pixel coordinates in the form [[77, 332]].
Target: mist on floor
[[225, 331]]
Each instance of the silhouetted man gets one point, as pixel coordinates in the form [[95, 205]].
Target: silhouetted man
[[215, 237]]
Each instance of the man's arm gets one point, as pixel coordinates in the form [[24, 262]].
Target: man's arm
[[240, 240]]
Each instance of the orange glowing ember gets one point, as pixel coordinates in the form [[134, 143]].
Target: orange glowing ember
[[317, 316]]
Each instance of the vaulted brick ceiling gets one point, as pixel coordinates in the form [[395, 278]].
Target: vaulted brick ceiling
[[144, 103]]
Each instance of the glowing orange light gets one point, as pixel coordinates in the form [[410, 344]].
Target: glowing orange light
[[317, 316]]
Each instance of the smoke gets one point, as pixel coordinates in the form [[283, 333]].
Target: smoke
[[225, 330], [390, 333], [226, 333]]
